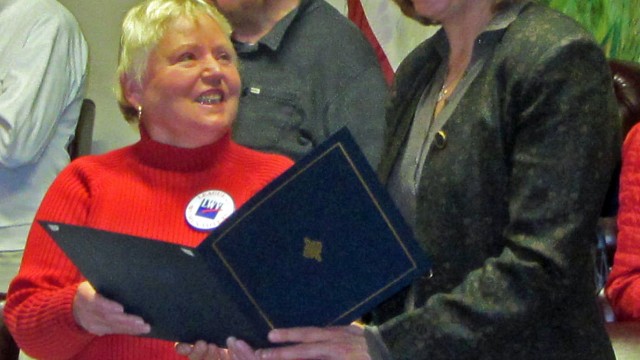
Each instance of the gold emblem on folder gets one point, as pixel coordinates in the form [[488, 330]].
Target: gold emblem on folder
[[312, 249]]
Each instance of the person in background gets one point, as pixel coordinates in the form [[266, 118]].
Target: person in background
[[307, 72], [499, 149], [178, 79], [622, 287], [43, 72]]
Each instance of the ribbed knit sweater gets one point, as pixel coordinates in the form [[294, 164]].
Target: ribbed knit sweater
[[623, 284], [142, 190]]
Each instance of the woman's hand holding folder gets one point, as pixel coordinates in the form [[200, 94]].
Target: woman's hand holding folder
[[328, 343], [101, 316]]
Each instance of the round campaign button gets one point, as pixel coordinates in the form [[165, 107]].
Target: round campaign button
[[207, 210]]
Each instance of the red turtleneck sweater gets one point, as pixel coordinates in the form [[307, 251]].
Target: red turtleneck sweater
[[142, 190]]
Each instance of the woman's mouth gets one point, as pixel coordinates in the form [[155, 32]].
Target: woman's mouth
[[210, 98]]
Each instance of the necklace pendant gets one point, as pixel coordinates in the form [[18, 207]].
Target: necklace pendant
[[442, 94]]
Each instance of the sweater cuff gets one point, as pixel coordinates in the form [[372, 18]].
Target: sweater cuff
[[377, 348], [65, 307]]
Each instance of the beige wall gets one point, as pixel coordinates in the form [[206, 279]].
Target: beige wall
[[100, 22]]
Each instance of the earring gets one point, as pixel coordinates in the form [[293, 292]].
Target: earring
[[139, 112]]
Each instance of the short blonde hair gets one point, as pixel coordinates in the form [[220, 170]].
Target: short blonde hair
[[407, 8], [142, 29]]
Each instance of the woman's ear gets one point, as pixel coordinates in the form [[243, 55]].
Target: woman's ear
[[132, 90]]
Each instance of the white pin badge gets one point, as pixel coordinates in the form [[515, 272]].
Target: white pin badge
[[207, 210]]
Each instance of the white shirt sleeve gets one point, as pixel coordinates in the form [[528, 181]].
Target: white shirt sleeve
[[44, 71]]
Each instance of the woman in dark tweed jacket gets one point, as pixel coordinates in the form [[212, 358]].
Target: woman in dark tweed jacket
[[501, 139]]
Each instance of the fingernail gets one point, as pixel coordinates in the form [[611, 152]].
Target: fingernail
[[231, 342]]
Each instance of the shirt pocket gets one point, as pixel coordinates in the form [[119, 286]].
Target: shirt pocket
[[268, 116]]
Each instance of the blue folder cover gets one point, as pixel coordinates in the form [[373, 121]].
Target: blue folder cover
[[321, 245]]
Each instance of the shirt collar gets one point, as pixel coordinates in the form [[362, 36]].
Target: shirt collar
[[273, 38], [505, 17]]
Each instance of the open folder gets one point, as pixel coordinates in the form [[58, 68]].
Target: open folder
[[321, 245]]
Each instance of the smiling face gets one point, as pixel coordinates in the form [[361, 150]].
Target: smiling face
[[190, 91]]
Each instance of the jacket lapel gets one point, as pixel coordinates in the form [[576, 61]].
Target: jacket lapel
[[414, 75]]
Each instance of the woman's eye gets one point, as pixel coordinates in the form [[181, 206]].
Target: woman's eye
[[225, 57], [186, 57]]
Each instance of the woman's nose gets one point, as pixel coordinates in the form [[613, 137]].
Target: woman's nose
[[212, 68]]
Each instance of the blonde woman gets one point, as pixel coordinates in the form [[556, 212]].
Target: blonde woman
[[179, 80]]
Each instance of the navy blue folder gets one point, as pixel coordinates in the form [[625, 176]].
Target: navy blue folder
[[321, 245]]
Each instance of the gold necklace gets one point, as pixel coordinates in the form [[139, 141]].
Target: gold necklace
[[444, 93], [447, 88]]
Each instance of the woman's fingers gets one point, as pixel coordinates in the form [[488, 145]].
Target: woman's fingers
[[201, 350], [101, 316], [315, 334], [331, 343], [240, 350]]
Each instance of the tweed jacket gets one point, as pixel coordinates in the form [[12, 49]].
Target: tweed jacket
[[508, 200]]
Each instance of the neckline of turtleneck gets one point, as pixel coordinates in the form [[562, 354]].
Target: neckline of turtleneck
[[169, 157]]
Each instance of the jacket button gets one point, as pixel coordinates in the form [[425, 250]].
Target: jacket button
[[440, 140]]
